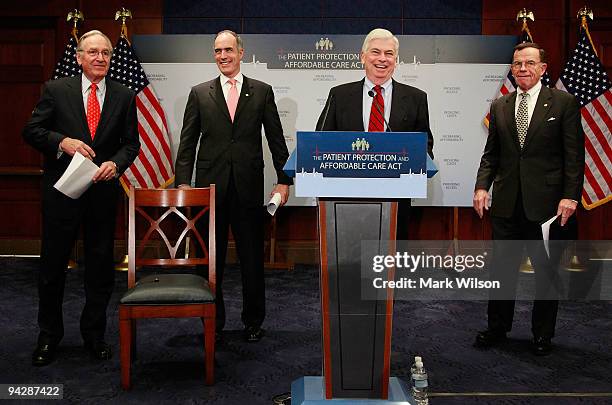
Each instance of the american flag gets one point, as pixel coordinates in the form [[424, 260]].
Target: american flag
[[153, 167], [585, 78], [509, 85], [67, 66]]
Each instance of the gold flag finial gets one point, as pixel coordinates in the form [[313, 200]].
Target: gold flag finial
[[585, 13], [75, 16], [524, 15], [123, 14]]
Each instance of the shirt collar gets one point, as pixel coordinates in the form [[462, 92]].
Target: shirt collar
[[533, 92], [224, 79], [85, 83], [386, 85]]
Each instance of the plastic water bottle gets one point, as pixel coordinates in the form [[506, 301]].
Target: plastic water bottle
[[419, 382]]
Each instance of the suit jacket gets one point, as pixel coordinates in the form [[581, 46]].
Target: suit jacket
[[548, 168], [231, 147], [60, 113], [409, 111]]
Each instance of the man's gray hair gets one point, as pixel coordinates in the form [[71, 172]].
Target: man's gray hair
[[232, 33], [379, 33], [91, 34]]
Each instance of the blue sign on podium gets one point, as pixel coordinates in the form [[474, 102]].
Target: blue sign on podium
[[361, 164]]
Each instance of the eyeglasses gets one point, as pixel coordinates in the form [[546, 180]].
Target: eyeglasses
[[93, 53], [530, 64]]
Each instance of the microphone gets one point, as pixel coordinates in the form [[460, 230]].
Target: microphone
[[372, 94], [329, 101]]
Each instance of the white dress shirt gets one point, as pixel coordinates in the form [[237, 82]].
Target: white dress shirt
[[533, 92], [86, 89], [225, 84]]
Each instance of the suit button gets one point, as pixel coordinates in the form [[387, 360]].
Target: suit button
[[233, 140]]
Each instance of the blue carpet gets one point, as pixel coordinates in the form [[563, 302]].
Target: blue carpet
[[170, 368]]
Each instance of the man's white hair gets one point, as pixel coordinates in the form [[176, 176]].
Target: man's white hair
[[379, 33], [91, 34]]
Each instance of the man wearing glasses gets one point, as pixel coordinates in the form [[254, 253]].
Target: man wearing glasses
[[534, 157], [95, 117]]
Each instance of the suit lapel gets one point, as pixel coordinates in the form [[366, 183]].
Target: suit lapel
[[246, 94], [75, 98], [217, 95], [399, 104], [510, 120], [355, 103], [540, 112]]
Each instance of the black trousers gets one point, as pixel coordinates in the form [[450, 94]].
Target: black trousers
[[507, 257], [62, 218], [247, 224]]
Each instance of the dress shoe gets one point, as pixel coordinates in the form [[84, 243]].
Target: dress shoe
[[541, 346], [489, 338], [99, 350], [43, 354], [253, 333]]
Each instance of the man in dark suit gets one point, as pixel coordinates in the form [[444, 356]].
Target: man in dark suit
[[225, 116], [95, 117], [361, 105], [534, 157]]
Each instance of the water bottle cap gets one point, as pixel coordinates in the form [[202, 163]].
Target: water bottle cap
[[417, 359]]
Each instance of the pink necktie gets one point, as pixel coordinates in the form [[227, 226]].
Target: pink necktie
[[232, 98], [93, 110]]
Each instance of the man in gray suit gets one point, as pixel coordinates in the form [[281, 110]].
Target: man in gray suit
[[225, 115], [534, 157]]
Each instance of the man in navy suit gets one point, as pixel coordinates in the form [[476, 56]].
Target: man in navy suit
[[534, 158], [351, 107], [95, 117], [225, 115]]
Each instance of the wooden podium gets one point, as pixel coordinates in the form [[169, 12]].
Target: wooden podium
[[357, 178], [356, 332]]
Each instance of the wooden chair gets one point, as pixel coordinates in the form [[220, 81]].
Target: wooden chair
[[169, 295]]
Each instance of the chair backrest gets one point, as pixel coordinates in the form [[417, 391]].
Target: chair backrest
[[168, 221]]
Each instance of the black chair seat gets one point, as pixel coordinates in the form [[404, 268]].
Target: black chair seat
[[169, 289]]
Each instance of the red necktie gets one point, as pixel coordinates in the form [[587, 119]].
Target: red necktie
[[377, 123], [93, 110]]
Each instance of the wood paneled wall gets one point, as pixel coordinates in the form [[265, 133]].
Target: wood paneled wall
[[33, 34]]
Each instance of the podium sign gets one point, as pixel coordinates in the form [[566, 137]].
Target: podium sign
[[361, 164]]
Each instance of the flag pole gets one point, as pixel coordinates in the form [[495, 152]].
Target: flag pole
[[124, 14], [574, 264], [74, 16]]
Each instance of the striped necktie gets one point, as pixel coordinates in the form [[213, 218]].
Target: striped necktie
[[377, 124]]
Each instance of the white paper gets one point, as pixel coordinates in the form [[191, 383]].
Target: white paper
[[274, 203], [546, 233], [78, 176]]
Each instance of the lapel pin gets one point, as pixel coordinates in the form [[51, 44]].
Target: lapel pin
[[246, 94], [545, 105]]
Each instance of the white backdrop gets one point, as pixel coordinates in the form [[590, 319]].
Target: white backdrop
[[459, 96]]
